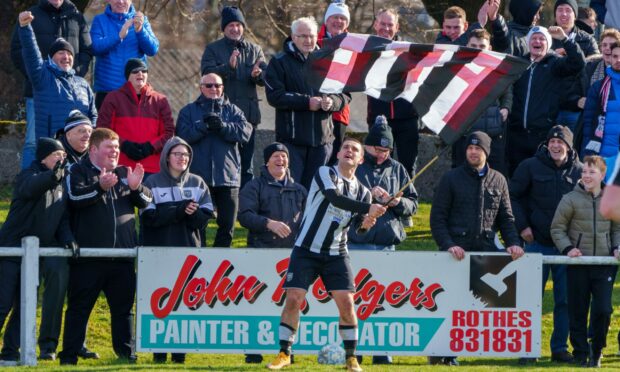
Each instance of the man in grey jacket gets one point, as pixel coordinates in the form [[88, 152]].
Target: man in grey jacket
[[240, 63]]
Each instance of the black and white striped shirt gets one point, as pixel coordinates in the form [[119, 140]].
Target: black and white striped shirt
[[333, 202]]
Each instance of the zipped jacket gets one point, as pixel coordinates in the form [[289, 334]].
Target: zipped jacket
[[49, 24], [577, 223], [102, 218], [289, 93]]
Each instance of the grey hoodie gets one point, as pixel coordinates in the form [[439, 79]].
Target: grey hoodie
[[164, 219]]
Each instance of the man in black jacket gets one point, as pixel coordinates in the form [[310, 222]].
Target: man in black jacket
[[271, 207], [38, 208], [537, 93], [103, 197], [303, 116], [240, 64], [470, 202], [52, 19], [536, 189]]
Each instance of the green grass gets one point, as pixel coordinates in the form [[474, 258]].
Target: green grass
[[418, 238]]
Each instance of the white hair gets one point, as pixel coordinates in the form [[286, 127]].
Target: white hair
[[308, 21]]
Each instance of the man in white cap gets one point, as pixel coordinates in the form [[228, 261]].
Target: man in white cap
[[537, 93], [336, 21]]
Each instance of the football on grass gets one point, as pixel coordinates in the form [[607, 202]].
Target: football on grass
[[331, 354]]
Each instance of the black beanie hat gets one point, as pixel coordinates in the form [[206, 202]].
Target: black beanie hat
[[76, 118], [61, 44], [46, 146], [572, 3], [269, 150], [232, 14], [561, 132], [380, 134], [134, 65], [481, 140]]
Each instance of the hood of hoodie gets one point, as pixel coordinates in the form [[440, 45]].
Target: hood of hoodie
[[523, 11], [163, 159]]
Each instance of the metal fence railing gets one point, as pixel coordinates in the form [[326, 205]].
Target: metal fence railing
[[30, 253]]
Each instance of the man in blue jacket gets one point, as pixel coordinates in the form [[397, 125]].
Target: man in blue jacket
[[119, 34], [215, 128], [52, 19], [57, 88]]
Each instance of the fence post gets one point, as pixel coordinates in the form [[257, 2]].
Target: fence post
[[28, 301]]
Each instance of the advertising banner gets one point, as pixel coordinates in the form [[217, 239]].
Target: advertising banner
[[407, 303]]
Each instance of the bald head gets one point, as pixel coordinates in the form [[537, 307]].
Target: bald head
[[211, 86]]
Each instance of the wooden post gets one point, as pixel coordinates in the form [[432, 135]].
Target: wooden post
[[28, 300]]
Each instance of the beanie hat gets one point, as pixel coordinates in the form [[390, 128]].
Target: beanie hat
[[46, 146], [539, 30], [337, 7], [562, 132], [481, 140], [380, 134], [269, 150], [232, 14], [76, 118], [61, 44], [134, 65], [571, 3]]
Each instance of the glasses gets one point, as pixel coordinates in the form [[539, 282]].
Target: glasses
[[180, 154], [380, 150], [211, 85], [136, 71]]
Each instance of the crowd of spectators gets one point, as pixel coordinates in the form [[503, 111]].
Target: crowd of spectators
[[94, 155]]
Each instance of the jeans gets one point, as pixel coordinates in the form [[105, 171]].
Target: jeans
[[568, 119], [30, 140], [559, 336]]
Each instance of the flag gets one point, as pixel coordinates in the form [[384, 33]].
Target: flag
[[448, 85]]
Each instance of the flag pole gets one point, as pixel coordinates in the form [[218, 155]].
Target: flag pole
[[361, 230]]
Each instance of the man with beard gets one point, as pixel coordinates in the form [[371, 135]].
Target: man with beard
[[240, 64], [536, 189], [470, 203]]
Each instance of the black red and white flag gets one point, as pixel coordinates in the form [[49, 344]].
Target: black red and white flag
[[449, 86]]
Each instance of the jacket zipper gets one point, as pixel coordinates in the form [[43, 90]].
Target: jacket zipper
[[594, 225], [527, 97]]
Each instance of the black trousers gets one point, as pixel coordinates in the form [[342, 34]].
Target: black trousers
[[226, 201], [585, 284], [339, 134], [99, 97], [246, 151], [522, 144], [10, 278], [117, 280], [406, 138]]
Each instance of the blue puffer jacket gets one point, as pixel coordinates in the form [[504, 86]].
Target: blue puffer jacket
[[112, 53], [611, 134], [56, 92]]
